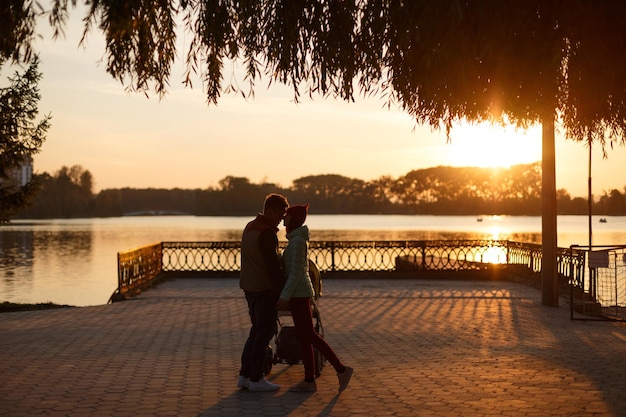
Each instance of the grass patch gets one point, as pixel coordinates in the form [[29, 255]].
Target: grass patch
[[6, 307]]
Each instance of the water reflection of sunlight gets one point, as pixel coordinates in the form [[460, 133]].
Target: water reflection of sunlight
[[495, 233], [494, 255]]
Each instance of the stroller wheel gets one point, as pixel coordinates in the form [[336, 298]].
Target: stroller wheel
[[319, 363], [269, 361]]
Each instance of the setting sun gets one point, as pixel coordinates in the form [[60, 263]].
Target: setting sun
[[485, 145]]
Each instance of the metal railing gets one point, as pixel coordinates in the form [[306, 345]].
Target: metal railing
[[440, 255], [138, 268]]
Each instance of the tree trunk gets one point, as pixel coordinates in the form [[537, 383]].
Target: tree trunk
[[549, 282]]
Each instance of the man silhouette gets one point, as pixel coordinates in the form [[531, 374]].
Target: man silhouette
[[261, 279]]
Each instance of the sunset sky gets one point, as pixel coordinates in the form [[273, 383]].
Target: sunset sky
[[128, 140]]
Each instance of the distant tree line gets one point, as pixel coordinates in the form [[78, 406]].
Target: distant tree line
[[441, 190]]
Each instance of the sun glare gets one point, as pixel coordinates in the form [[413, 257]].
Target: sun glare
[[494, 255], [485, 145]]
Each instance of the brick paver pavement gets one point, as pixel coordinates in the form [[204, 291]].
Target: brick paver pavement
[[419, 348]]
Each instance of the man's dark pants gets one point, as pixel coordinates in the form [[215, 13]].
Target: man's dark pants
[[262, 310]]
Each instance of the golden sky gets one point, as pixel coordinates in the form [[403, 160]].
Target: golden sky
[[128, 140]]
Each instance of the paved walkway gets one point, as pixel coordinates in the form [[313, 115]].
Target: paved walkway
[[419, 348]]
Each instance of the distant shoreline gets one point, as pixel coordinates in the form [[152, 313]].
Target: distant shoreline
[[7, 307]]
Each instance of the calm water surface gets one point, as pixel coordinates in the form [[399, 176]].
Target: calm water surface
[[75, 261]]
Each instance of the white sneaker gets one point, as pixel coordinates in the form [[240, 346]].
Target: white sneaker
[[263, 385], [243, 382]]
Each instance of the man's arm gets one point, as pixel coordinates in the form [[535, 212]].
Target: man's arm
[[268, 242]]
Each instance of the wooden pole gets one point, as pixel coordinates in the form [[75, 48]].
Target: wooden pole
[[549, 282]]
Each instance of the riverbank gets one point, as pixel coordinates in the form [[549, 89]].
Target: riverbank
[[7, 307]]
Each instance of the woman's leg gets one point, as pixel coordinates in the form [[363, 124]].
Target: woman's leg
[[303, 322], [309, 338]]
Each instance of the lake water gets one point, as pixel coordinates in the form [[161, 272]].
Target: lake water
[[75, 261]]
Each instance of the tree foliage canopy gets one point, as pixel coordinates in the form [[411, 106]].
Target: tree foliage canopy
[[21, 136], [522, 61]]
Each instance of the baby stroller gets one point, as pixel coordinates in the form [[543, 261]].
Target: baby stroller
[[287, 346]]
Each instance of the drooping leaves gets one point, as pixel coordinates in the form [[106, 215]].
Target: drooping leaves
[[521, 61]]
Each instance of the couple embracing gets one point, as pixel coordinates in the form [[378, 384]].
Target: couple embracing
[[270, 284]]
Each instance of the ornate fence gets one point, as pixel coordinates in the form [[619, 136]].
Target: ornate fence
[[439, 255], [138, 268]]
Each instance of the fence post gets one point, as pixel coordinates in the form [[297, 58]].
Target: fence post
[[119, 274], [508, 250]]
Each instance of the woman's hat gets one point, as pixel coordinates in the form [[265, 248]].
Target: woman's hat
[[298, 215]]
